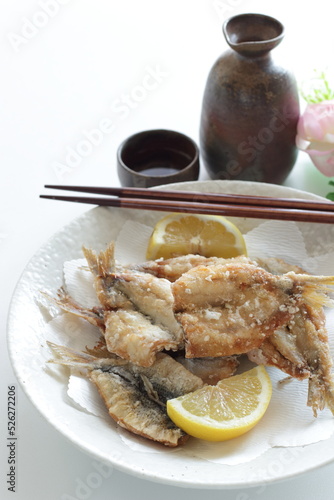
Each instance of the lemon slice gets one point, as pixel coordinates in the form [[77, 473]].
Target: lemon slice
[[208, 235], [224, 411]]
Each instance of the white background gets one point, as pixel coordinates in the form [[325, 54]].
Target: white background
[[62, 74]]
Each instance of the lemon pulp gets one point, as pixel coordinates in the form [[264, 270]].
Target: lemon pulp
[[224, 411], [207, 235]]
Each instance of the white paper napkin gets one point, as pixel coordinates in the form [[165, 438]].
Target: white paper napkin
[[288, 422]]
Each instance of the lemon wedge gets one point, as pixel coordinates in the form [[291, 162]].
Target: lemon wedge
[[224, 411], [207, 235]]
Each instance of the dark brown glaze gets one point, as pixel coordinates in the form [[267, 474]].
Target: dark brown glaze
[[250, 106]]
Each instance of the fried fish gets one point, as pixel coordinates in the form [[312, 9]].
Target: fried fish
[[136, 396]]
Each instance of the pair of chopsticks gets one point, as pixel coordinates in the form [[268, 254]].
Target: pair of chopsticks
[[233, 205]]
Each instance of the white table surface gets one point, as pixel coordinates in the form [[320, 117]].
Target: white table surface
[[67, 67]]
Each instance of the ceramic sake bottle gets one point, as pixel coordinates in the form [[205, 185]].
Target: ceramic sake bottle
[[250, 106]]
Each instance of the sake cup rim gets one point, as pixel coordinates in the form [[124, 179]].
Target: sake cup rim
[[162, 132]]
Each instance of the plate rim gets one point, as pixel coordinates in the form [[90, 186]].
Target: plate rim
[[185, 482]]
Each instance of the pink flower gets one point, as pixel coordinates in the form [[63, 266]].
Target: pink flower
[[315, 135]]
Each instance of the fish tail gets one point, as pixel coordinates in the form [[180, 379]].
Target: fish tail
[[91, 359], [101, 264], [315, 288], [320, 393], [68, 357], [310, 278], [317, 297], [107, 260], [64, 301], [92, 261]]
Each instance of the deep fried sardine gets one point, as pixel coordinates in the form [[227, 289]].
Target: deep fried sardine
[[135, 396], [211, 370], [138, 310], [232, 308]]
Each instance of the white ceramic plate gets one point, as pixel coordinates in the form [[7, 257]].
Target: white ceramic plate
[[96, 228]]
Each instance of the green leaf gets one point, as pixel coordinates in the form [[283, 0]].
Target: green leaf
[[322, 93], [330, 196], [331, 183]]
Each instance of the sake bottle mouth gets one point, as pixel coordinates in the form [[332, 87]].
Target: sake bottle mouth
[[253, 34]]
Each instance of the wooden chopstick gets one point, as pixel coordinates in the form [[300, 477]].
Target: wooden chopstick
[[232, 209], [195, 196]]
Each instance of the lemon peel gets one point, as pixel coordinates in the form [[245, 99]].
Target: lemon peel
[[208, 235], [224, 411]]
